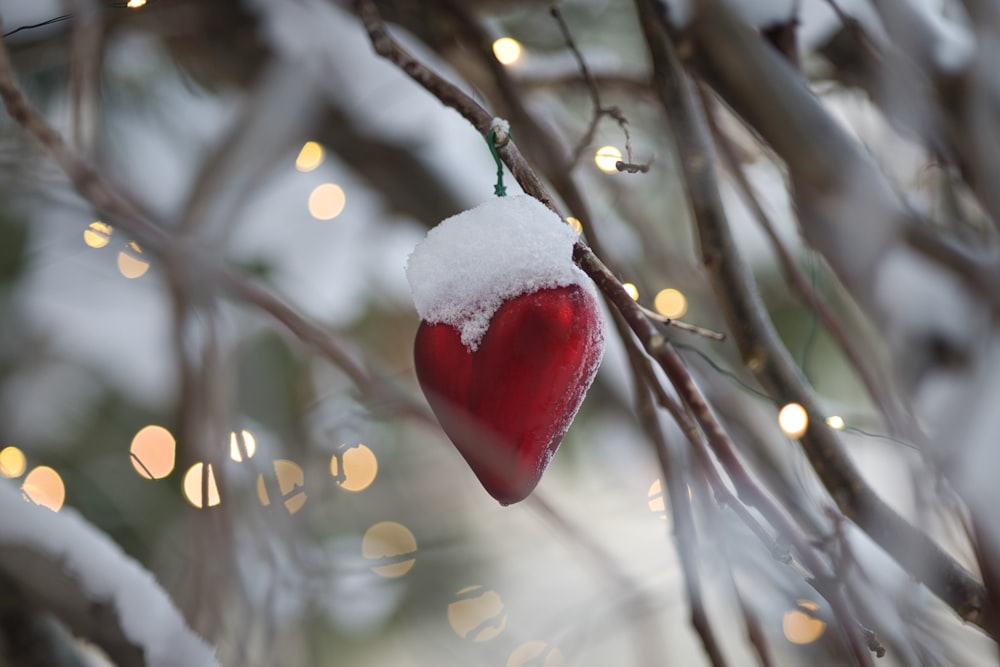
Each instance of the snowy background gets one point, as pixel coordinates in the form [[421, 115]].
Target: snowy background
[[290, 518]]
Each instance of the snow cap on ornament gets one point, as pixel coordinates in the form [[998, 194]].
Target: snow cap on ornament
[[510, 338]]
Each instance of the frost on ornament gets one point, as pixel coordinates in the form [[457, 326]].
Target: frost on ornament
[[511, 337]]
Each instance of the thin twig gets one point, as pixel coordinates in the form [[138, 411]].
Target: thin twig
[[599, 109], [683, 326], [898, 422], [768, 359], [812, 569], [654, 343], [685, 536]]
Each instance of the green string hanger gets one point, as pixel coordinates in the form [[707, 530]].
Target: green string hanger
[[500, 190]]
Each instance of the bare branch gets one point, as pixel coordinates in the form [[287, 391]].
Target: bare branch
[[595, 97], [762, 350], [877, 390]]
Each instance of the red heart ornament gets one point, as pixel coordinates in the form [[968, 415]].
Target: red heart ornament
[[507, 404]]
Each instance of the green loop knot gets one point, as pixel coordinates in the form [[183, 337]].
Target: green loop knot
[[499, 189]]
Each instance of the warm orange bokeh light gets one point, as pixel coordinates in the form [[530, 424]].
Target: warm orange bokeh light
[[291, 481], [327, 201], [198, 490], [13, 462], [507, 50], [670, 303], [793, 420], [606, 158], [44, 486], [97, 234], [130, 261], [800, 625], [477, 614], [153, 452], [242, 445], [657, 502], [354, 468], [310, 157], [391, 544]]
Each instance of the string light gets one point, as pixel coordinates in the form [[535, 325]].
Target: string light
[[291, 481], [153, 452], [310, 157], [793, 420], [97, 234], [606, 158], [195, 490], [477, 614], [632, 290], [507, 50], [130, 262], [802, 627], [657, 503], [835, 422], [327, 201], [670, 303], [242, 444], [44, 486], [575, 224], [392, 545], [12, 462], [354, 468]]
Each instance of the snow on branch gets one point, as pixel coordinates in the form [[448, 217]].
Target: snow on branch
[[95, 588]]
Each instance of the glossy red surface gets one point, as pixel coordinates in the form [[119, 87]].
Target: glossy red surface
[[507, 405]]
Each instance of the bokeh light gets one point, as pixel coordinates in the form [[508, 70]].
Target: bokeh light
[[507, 50], [44, 486], [291, 481], [535, 654], [657, 502], [670, 303], [354, 468], [802, 627], [310, 157], [130, 261], [12, 462], [632, 290], [153, 452], [835, 422], [136, 3], [575, 224], [200, 487], [242, 445], [793, 420], [392, 546], [327, 201], [97, 234], [477, 614], [606, 158]]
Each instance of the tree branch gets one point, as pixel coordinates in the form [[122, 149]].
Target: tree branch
[[762, 350]]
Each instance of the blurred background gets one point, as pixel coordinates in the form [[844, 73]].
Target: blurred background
[[297, 518]]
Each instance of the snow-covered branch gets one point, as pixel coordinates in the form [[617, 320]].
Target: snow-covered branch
[[61, 563]]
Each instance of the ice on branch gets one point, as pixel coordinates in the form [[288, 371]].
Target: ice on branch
[[474, 261], [105, 576]]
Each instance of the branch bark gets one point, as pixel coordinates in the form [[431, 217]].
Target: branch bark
[[761, 349]]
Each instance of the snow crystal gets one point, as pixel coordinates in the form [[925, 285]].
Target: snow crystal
[[471, 263], [145, 613], [500, 123]]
